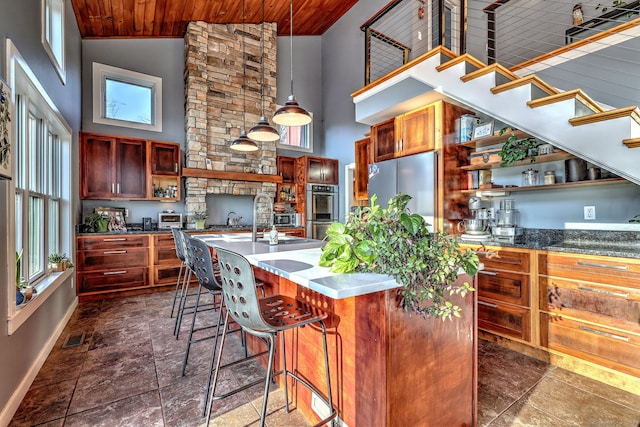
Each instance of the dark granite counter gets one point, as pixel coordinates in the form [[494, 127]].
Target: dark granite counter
[[210, 229]]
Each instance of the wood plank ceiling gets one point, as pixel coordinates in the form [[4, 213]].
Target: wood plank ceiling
[[169, 18]]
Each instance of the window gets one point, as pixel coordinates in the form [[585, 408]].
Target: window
[[53, 34], [41, 188], [126, 98], [299, 138]]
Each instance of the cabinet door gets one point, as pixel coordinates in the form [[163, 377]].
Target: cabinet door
[[287, 169], [97, 180], [165, 158], [417, 134], [314, 170], [362, 169], [131, 170], [384, 140], [330, 171]]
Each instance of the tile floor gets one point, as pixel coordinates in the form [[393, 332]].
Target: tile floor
[[127, 373]]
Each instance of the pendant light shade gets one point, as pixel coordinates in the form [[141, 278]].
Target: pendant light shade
[[263, 131], [244, 143], [291, 114]]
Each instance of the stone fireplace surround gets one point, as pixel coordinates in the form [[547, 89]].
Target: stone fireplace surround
[[214, 81]]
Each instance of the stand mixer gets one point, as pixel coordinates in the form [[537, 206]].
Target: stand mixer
[[477, 227], [506, 227]]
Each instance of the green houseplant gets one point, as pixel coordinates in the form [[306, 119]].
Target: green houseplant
[[96, 223], [58, 262], [514, 149], [199, 219], [395, 242]]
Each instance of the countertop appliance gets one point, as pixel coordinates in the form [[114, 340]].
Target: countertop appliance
[[168, 220], [286, 219], [322, 209], [413, 175], [506, 228]]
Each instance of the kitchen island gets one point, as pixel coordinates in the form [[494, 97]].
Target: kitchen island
[[388, 367]]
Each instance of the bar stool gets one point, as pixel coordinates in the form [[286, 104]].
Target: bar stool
[[265, 318], [177, 295]]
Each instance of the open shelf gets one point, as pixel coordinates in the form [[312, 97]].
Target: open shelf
[[596, 182], [493, 139], [545, 158]]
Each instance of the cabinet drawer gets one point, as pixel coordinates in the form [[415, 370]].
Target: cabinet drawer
[[163, 240], [165, 255], [504, 286], [113, 259], [113, 241], [606, 270], [168, 275], [597, 344], [609, 305], [125, 278], [504, 319], [501, 259]]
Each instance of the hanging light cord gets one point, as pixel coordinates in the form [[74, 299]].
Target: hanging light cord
[[291, 41], [262, 64], [244, 76]]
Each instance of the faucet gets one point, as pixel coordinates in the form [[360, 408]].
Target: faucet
[[254, 236]]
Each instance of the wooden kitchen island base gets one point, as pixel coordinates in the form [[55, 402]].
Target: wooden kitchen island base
[[388, 367]]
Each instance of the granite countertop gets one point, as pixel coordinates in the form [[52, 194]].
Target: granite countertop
[[625, 244], [214, 228], [297, 259]]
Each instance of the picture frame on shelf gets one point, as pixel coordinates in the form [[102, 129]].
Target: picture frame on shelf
[[483, 130]]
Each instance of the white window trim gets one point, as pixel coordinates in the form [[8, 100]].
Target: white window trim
[[18, 315], [101, 72], [60, 66]]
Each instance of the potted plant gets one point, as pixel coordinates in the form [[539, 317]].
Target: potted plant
[[19, 295], [395, 242], [58, 262], [514, 149], [96, 223], [199, 219]]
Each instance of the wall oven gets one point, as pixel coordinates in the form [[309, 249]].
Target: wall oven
[[322, 209]]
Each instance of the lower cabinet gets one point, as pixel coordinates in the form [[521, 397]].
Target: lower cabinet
[[166, 264]]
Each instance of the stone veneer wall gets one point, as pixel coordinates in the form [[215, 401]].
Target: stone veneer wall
[[214, 105]]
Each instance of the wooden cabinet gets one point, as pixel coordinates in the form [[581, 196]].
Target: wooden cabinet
[[112, 263], [409, 133], [164, 165], [362, 156], [295, 232], [166, 264], [286, 191], [589, 308], [321, 170], [112, 168], [504, 291]]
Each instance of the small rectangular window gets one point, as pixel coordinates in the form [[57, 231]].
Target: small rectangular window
[[53, 34], [299, 138], [126, 98]]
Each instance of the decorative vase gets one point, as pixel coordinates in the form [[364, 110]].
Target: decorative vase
[[102, 226], [19, 298], [58, 266], [199, 224]]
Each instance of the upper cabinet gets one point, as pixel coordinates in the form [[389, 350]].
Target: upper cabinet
[[286, 191], [320, 170], [409, 133], [112, 167], [362, 156]]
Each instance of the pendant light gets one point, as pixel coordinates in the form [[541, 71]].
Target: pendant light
[[243, 143], [291, 114], [263, 131]]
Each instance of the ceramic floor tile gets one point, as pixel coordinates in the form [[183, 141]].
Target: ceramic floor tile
[[140, 410], [56, 367], [491, 404], [520, 414], [243, 416], [43, 404], [277, 415], [118, 334]]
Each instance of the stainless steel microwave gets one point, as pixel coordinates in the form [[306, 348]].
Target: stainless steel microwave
[[291, 219], [169, 220]]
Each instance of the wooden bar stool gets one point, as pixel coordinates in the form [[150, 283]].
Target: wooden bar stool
[[265, 318]]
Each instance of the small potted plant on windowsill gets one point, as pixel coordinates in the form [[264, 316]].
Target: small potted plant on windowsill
[[58, 262], [199, 218]]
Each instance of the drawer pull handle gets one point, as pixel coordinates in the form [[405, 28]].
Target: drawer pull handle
[[114, 252], [605, 334], [593, 264], [488, 273], [488, 304], [486, 253], [115, 239], [602, 291], [111, 273]]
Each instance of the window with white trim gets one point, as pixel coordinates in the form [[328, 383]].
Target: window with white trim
[[126, 98], [53, 34], [41, 186], [298, 138]]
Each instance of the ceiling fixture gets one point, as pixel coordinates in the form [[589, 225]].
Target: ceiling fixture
[[291, 114], [263, 131], [243, 143]]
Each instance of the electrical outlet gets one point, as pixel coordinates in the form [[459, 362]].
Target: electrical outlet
[[589, 212], [319, 407]]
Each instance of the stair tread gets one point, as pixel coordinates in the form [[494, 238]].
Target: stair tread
[[576, 94]]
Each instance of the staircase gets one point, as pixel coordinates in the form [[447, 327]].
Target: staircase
[[569, 120]]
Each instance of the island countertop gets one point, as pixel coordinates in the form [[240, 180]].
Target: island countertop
[[297, 259]]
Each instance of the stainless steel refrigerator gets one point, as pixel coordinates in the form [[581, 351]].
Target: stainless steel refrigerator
[[413, 175]]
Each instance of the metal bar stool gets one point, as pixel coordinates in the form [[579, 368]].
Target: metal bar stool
[[264, 318], [177, 295]]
